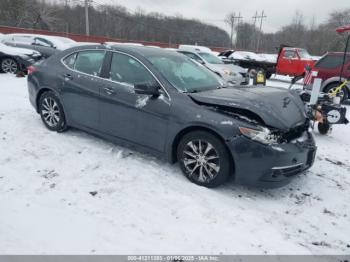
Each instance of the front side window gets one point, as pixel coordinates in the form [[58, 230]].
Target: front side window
[[129, 71], [89, 62], [184, 74]]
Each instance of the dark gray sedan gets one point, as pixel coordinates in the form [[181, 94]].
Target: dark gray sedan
[[162, 102]]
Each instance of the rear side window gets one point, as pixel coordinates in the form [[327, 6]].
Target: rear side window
[[22, 40], [42, 42], [331, 61], [70, 60], [89, 62]]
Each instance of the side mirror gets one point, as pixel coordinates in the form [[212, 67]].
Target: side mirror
[[147, 89]]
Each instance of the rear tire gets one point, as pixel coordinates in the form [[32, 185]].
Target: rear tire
[[204, 159], [268, 75], [344, 94], [51, 112], [323, 128]]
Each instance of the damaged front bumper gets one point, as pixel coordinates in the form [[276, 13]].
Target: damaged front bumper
[[271, 166]]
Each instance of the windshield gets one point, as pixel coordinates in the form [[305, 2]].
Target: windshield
[[304, 54], [211, 59], [185, 74]]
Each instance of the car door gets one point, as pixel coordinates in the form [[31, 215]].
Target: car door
[[285, 64], [44, 46], [139, 119], [80, 84]]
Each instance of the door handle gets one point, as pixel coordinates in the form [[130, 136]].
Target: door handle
[[108, 90], [68, 77]]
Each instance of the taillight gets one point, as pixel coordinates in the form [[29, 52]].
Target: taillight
[[31, 70]]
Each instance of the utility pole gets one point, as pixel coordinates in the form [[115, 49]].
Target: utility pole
[[66, 14], [231, 21], [87, 26], [255, 18], [261, 17]]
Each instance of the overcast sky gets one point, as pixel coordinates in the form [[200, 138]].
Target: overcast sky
[[279, 12]]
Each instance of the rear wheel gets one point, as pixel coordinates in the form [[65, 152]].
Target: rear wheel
[[9, 65], [204, 159], [323, 128], [51, 112], [343, 94]]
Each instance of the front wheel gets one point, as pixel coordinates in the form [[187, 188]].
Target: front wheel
[[9, 65], [51, 112], [343, 94], [204, 159]]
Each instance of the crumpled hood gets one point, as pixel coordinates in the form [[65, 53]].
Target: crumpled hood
[[277, 107]]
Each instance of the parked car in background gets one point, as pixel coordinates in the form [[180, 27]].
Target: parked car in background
[[328, 68], [46, 45], [232, 74], [14, 59], [290, 61], [162, 102]]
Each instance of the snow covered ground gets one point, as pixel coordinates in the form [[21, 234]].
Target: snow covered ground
[[73, 193]]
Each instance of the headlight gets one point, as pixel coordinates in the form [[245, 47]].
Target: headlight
[[262, 135]]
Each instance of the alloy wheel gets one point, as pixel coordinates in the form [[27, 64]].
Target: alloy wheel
[[201, 161], [50, 112], [9, 65]]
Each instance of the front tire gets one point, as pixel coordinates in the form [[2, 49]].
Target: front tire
[[51, 112], [343, 93], [204, 159]]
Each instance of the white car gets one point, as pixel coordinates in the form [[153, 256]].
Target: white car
[[13, 59], [232, 74], [120, 43], [46, 45]]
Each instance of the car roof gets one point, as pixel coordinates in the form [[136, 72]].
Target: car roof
[[144, 51], [337, 53], [39, 35]]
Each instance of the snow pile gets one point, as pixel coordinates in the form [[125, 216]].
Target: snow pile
[[244, 55], [73, 193], [271, 58]]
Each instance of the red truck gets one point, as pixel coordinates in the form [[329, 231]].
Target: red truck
[[290, 61]]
